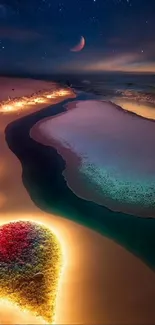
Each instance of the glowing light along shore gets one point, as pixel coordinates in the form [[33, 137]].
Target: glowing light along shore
[[24, 103], [30, 267]]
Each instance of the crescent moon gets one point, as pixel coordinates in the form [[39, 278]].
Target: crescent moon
[[79, 46]]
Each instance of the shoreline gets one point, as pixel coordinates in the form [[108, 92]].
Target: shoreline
[[117, 226], [98, 269]]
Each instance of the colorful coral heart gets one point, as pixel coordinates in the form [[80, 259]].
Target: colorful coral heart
[[30, 264]]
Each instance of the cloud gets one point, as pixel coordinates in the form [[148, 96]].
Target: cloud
[[131, 62], [18, 34], [145, 67]]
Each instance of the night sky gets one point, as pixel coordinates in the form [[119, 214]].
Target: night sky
[[36, 36]]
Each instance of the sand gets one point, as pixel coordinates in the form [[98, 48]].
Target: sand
[[17, 87], [101, 281]]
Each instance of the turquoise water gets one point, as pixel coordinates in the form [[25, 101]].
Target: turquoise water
[[43, 179]]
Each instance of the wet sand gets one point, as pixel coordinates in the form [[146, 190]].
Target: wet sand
[[101, 281]]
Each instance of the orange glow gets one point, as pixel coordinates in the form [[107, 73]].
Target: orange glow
[[8, 109], [18, 105], [50, 96], [10, 313], [39, 100]]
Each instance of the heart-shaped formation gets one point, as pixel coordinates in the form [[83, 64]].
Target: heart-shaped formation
[[30, 264]]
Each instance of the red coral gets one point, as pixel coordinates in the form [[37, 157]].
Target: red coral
[[13, 239]]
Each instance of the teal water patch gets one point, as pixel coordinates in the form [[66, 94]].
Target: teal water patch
[[43, 179]]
